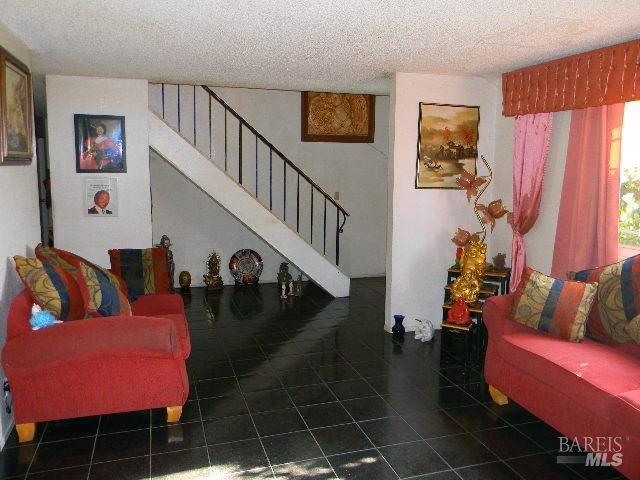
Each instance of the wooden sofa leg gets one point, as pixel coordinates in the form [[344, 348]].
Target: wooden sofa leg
[[497, 396], [26, 432], [174, 414]]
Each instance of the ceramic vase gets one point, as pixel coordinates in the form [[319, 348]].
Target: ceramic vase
[[398, 328]]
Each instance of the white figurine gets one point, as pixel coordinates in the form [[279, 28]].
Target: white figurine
[[424, 331]]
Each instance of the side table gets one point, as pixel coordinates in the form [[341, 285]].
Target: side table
[[496, 282]]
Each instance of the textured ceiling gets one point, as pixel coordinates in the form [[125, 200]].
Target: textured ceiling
[[336, 45]]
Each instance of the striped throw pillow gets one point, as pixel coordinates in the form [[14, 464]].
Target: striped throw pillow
[[617, 301], [145, 271], [557, 307], [51, 287]]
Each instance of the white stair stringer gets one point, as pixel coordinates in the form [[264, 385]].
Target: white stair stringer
[[231, 196]]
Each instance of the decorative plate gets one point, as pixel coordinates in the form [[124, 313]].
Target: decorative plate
[[246, 266]]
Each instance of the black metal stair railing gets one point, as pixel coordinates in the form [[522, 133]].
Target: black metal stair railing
[[241, 177]]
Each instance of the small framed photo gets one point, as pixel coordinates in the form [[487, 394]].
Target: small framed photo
[[101, 197], [16, 110], [100, 144]]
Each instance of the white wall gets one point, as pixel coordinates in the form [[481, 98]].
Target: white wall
[[422, 222], [541, 239], [20, 230], [91, 237], [357, 171], [197, 225]]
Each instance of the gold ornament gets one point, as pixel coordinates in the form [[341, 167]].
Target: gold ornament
[[212, 279], [473, 267]]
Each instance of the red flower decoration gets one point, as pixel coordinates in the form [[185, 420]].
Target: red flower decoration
[[463, 237], [492, 212], [470, 183]]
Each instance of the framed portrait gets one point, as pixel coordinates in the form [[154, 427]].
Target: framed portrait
[[100, 143], [100, 197], [16, 110], [338, 117], [447, 144]]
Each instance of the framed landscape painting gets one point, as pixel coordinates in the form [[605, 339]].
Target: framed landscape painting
[[447, 144], [100, 144], [16, 110]]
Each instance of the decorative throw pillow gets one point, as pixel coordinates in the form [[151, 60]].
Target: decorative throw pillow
[[617, 301], [71, 263], [557, 307], [101, 292], [633, 329], [144, 271], [51, 287]]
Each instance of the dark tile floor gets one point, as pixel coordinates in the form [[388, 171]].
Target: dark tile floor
[[311, 388]]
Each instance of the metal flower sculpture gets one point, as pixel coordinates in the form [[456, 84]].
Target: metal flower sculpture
[[486, 214], [473, 260]]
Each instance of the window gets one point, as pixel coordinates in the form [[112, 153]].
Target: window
[[629, 225]]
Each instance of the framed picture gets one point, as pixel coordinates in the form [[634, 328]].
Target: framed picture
[[16, 110], [447, 144], [100, 197], [100, 143], [338, 117]]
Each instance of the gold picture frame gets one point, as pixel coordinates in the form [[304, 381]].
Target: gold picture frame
[[16, 110], [447, 144], [338, 117]]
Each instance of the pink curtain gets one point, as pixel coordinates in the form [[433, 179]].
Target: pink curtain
[[587, 231], [533, 136]]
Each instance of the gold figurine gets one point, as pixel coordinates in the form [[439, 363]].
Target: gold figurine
[[473, 267]]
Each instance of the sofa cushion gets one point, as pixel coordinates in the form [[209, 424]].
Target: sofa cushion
[[587, 372], [557, 307], [152, 305], [51, 287], [617, 301], [182, 330], [71, 263], [633, 329], [145, 271], [626, 408], [100, 291]]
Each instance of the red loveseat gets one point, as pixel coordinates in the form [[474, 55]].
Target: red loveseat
[[97, 366], [582, 389]]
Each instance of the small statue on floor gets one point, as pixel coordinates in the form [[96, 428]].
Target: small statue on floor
[[212, 279], [299, 286], [284, 278], [165, 243], [424, 330]]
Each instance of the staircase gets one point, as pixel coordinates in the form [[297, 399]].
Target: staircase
[[217, 150]]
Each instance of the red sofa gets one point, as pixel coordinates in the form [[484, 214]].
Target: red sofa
[[97, 366], [582, 389]]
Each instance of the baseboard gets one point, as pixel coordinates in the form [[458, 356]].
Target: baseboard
[[6, 431]]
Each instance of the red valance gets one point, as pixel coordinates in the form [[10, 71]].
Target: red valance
[[600, 77]]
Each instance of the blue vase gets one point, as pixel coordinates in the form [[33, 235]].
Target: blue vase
[[398, 328]]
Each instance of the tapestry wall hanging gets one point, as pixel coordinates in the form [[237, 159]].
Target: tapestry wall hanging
[[338, 117], [447, 144]]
